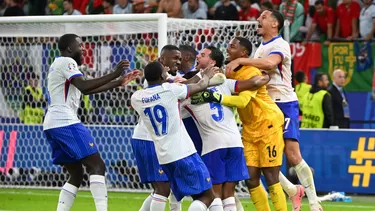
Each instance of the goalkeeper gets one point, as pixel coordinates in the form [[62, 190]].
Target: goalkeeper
[[262, 129]]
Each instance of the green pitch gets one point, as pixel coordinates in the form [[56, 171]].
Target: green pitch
[[40, 200]]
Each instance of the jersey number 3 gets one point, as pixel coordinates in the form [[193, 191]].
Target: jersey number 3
[[220, 114], [158, 116]]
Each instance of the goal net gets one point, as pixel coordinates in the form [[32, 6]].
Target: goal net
[[28, 46]]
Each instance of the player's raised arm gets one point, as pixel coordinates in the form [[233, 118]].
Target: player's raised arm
[[253, 83], [267, 64], [203, 83], [122, 81], [88, 86]]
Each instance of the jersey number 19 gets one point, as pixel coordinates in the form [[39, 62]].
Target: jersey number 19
[[158, 116]]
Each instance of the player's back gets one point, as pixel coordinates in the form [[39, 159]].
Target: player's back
[[159, 109], [261, 116], [216, 123], [280, 86], [64, 98]]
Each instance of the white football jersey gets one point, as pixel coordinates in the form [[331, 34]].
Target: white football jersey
[[159, 109], [64, 98], [280, 86], [216, 123]]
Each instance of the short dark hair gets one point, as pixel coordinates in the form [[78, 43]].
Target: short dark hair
[[216, 55], [169, 48], [279, 17], [66, 40], [70, 1], [268, 5], [318, 77], [190, 74], [246, 44], [153, 71], [189, 49], [300, 76], [317, 2]]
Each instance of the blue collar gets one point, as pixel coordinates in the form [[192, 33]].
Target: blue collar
[[274, 38], [153, 86]]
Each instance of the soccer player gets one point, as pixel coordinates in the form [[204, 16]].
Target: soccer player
[[262, 130], [274, 57], [71, 142], [222, 146], [158, 107], [143, 147]]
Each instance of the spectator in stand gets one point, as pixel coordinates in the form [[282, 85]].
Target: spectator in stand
[[139, 6], [226, 11], [171, 7], [193, 11], [266, 6], [340, 104], [68, 8], [324, 19], [202, 5], [316, 105], [367, 20], [123, 7], [108, 6], [347, 14], [15, 8], [275, 3], [247, 12], [3, 7], [293, 11], [37, 7], [55, 7]]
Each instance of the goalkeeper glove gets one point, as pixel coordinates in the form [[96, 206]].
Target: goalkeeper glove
[[207, 96]]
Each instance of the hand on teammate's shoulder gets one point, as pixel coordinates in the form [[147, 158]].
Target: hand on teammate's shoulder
[[121, 66]]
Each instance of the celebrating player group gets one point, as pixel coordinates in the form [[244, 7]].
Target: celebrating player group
[[187, 142]]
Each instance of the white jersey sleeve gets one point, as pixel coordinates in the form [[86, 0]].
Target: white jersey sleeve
[[280, 86], [159, 109], [216, 123], [64, 96]]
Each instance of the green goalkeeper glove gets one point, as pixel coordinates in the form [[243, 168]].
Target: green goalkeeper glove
[[206, 96]]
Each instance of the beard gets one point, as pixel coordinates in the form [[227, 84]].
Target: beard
[[78, 58]]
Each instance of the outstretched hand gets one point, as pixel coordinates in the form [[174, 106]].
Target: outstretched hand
[[121, 66], [209, 71], [230, 67], [130, 76]]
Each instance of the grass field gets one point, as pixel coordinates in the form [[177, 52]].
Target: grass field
[[40, 200]]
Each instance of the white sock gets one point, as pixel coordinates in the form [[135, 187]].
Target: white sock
[[230, 204], [146, 204], [306, 178], [158, 202], [239, 206], [174, 205], [216, 205], [67, 196], [99, 192], [197, 206], [288, 187]]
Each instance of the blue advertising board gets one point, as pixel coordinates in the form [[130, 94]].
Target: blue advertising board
[[343, 160]]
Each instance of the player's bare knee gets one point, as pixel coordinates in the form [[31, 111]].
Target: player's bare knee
[[271, 175], [162, 188], [97, 168], [76, 178], [252, 183], [292, 152], [207, 197], [228, 190]]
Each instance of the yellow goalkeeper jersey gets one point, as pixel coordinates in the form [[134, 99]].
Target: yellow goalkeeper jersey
[[259, 114]]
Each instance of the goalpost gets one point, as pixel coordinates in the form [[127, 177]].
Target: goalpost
[[29, 45]]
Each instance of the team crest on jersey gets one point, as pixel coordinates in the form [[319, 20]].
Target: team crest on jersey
[[208, 179], [71, 66], [91, 144], [161, 171]]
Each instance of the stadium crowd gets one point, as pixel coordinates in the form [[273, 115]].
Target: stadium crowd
[[322, 20]]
